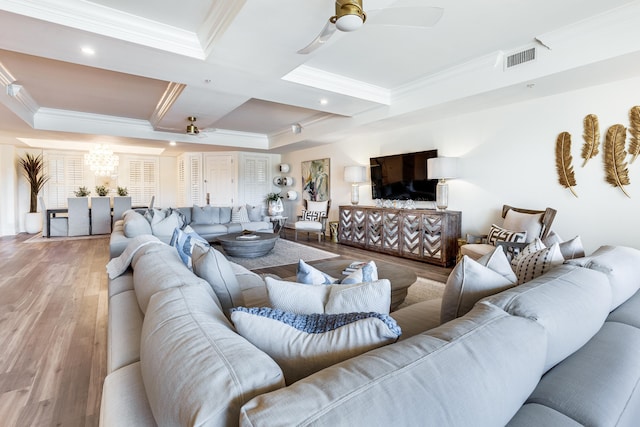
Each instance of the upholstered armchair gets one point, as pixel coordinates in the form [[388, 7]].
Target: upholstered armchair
[[313, 218], [519, 228], [59, 224]]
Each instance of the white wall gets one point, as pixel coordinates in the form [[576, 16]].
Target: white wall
[[8, 191], [507, 156]]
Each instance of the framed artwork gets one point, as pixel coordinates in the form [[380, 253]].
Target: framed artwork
[[315, 180]]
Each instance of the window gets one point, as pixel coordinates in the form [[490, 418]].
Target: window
[[66, 174], [143, 180]]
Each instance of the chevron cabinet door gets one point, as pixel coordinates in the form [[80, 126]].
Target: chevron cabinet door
[[374, 229], [422, 234]]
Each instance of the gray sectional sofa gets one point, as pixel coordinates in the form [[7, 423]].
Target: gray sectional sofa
[[560, 350], [208, 221]]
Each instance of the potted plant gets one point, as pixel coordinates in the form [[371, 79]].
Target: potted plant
[[33, 169], [122, 191], [82, 192], [274, 202], [101, 190]]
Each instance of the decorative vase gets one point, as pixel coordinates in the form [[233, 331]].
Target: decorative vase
[[276, 207], [33, 222]]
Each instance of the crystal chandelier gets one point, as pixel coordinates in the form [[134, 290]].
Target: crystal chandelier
[[101, 160]]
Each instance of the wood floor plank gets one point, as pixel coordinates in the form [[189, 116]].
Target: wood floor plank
[[53, 325]]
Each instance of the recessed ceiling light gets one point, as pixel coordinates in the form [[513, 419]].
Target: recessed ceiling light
[[172, 143], [324, 101], [89, 51]]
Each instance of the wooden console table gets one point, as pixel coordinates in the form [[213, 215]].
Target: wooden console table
[[421, 234]]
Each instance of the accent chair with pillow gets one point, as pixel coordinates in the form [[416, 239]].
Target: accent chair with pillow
[[519, 228], [313, 218]]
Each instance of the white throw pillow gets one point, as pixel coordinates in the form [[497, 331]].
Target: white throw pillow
[[366, 273], [134, 224], [308, 299], [240, 214], [468, 283], [304, 344], [533, 247], [519, 221], [310, 275], [212, 266], [533, 264], [569, 249], [317, 206], [497, 261]]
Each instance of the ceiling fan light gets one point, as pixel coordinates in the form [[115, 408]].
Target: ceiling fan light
[[349, 23], [192, 129]]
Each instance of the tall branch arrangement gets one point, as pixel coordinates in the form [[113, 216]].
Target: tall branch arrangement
[[33, 169]]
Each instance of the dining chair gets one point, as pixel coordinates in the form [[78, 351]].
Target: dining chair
[[100, 215], [120, 205], [59, 225], [78, 216]]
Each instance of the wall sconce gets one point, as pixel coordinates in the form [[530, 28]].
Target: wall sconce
[[442, 168], [355, 175], [283, 167]]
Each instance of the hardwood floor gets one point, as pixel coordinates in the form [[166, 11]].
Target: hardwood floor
[[53, 325]]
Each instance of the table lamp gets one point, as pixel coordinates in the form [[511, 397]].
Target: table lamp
[[355, 175], [442, 168]]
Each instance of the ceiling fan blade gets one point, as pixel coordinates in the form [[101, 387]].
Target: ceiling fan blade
[[322, 38], [413, 16]]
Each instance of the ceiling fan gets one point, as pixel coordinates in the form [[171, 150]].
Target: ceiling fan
[[193, 130], [350, 16]]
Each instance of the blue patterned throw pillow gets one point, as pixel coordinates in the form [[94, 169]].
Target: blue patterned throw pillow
[[183, 241], [302, 344]]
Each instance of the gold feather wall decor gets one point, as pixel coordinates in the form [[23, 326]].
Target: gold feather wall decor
[[615, 167], [591, 136], [566, 177], [634, 130]]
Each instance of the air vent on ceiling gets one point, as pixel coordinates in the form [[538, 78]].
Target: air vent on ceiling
[[520, 57]]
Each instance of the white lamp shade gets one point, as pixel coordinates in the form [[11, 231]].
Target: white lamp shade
[[355, 174], [442, 168]]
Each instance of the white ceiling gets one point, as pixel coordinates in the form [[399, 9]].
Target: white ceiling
[[233, 64]]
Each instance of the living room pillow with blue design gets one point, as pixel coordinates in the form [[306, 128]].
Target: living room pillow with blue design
[[366, 273], [183, 241], [310, 275]]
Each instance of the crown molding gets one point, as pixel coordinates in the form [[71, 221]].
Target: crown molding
[[324, 80], [169, 97], [95, 18], [217, 20]]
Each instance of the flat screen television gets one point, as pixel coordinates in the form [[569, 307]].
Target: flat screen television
[[403, 177]]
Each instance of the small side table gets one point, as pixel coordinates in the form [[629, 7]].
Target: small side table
[[278, 224], [333, 230]]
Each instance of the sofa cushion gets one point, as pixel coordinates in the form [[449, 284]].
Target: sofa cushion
[[257, 226], [571, 303], [469, 282], [183, 241], [534, 415], [627, 312], [424, 380], [598, 384], [124, 399], [302, 344], [223, 371], [330, 299], [162, 270], [621, 265], [134, 224], [209, 229], [310, 275], [210, 265], [123, 333], [205, 214]]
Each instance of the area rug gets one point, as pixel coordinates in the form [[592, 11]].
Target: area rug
[[423, 290], [37, 238], [285, 252]]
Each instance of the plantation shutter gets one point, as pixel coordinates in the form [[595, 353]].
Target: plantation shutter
[[256, 185], [66, 174], [143, 180]]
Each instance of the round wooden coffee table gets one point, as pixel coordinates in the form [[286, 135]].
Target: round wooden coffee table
[[400, 278], [246, 246]]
